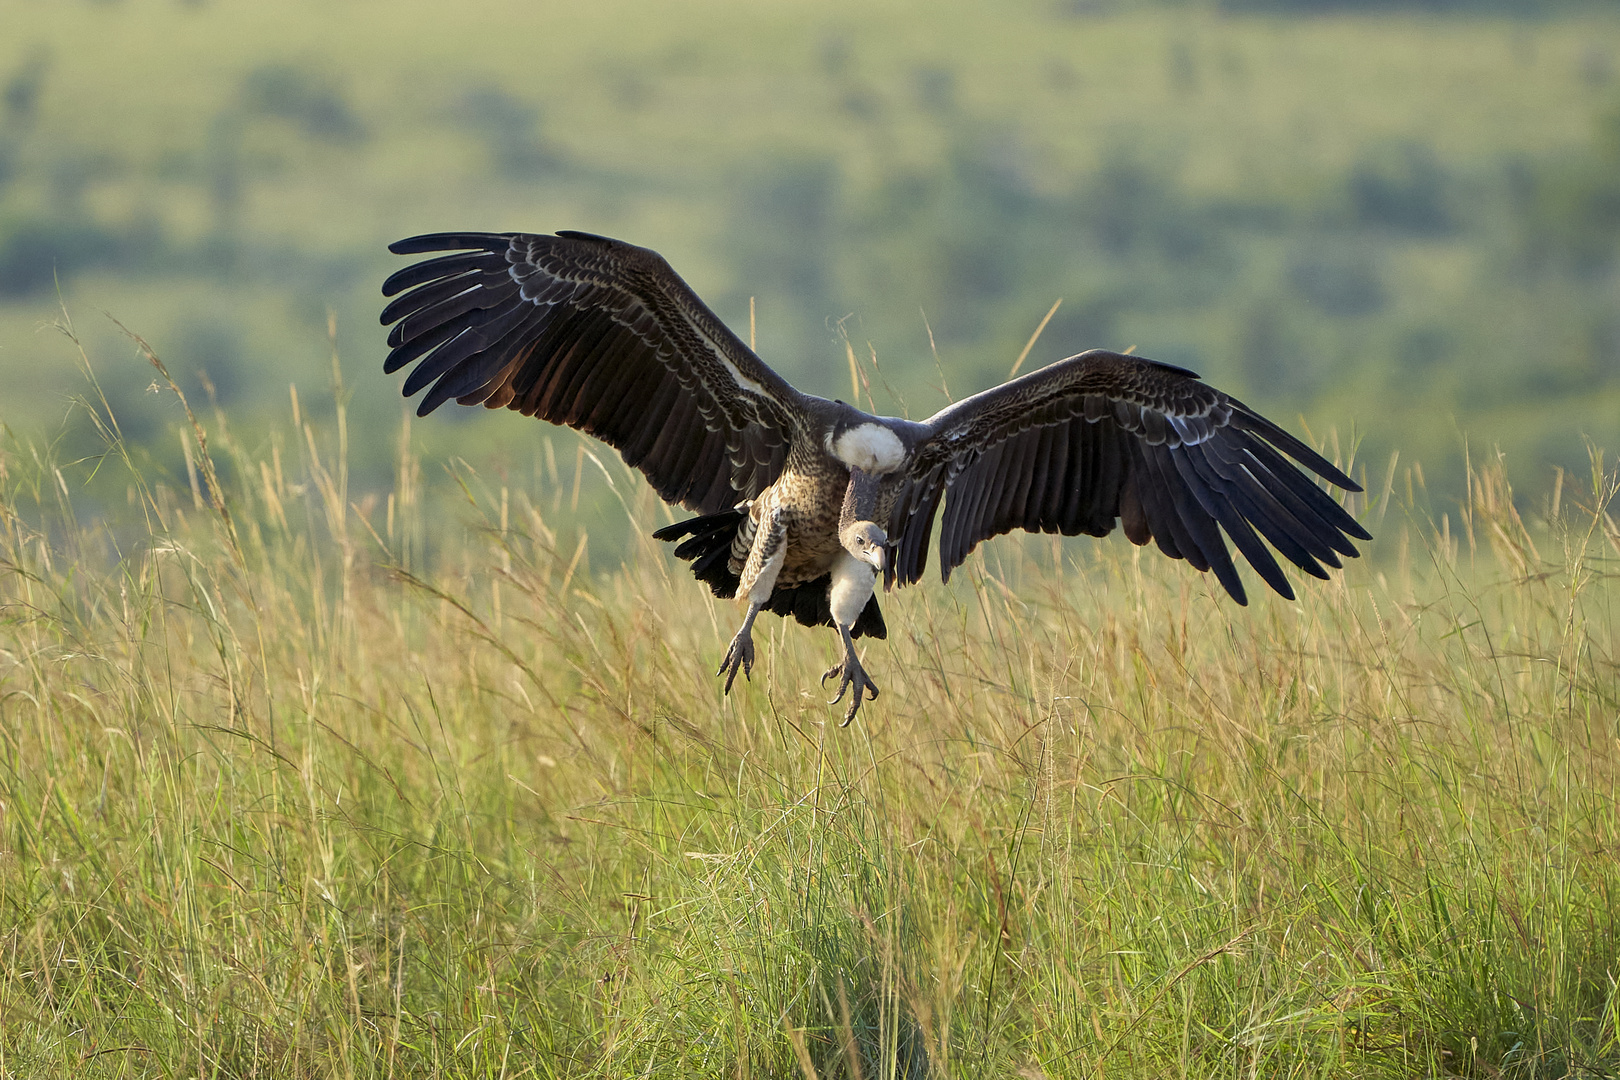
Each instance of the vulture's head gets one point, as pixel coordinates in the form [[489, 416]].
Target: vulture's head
[[865, 540]]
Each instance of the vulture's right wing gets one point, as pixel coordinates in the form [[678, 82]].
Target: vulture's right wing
[[1102, 437], [601, 336]]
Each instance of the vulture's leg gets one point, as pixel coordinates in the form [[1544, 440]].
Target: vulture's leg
[[741, 653], [851, 675], [853, 580], [757, 580]]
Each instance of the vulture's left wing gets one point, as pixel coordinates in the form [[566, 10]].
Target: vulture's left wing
[[1102, 438], [601, 336]]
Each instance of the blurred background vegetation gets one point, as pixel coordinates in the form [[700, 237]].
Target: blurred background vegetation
[[1394, 221]]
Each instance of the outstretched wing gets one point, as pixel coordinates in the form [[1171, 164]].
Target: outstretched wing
[[601, 336], [1100, 438]]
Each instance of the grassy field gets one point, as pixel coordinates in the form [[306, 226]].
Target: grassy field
[[298, 785]]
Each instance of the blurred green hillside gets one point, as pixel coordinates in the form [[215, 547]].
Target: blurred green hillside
[[1399, 225]]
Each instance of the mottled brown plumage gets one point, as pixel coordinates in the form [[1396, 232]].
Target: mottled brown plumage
[[809, 500], [802, 501]]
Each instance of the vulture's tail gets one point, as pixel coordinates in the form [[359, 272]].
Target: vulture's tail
[[706, 543]]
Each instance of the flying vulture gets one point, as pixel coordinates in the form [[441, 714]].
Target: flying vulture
[[802, 502]]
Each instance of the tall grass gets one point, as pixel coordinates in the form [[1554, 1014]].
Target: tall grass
[[298, 783]]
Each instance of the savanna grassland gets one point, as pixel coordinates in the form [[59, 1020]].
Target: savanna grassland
[[339, 743], [285, 793], [1398, 222]]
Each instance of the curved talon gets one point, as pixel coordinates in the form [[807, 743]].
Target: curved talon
[[865, 688], [739, 655]]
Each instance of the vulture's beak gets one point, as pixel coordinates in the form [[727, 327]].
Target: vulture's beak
[[876, 556]]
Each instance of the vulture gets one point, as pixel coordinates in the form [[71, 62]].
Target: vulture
[[802, 503]]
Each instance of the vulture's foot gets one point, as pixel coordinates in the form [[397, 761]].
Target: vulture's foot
[[851, 675], [740, 655]]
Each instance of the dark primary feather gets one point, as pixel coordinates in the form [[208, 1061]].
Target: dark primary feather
[[1100, 439], [601, 336]]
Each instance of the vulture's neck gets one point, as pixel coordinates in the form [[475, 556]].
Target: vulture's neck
[[860, 500]]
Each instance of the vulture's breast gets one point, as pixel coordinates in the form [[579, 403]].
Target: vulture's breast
[[810, 501]]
